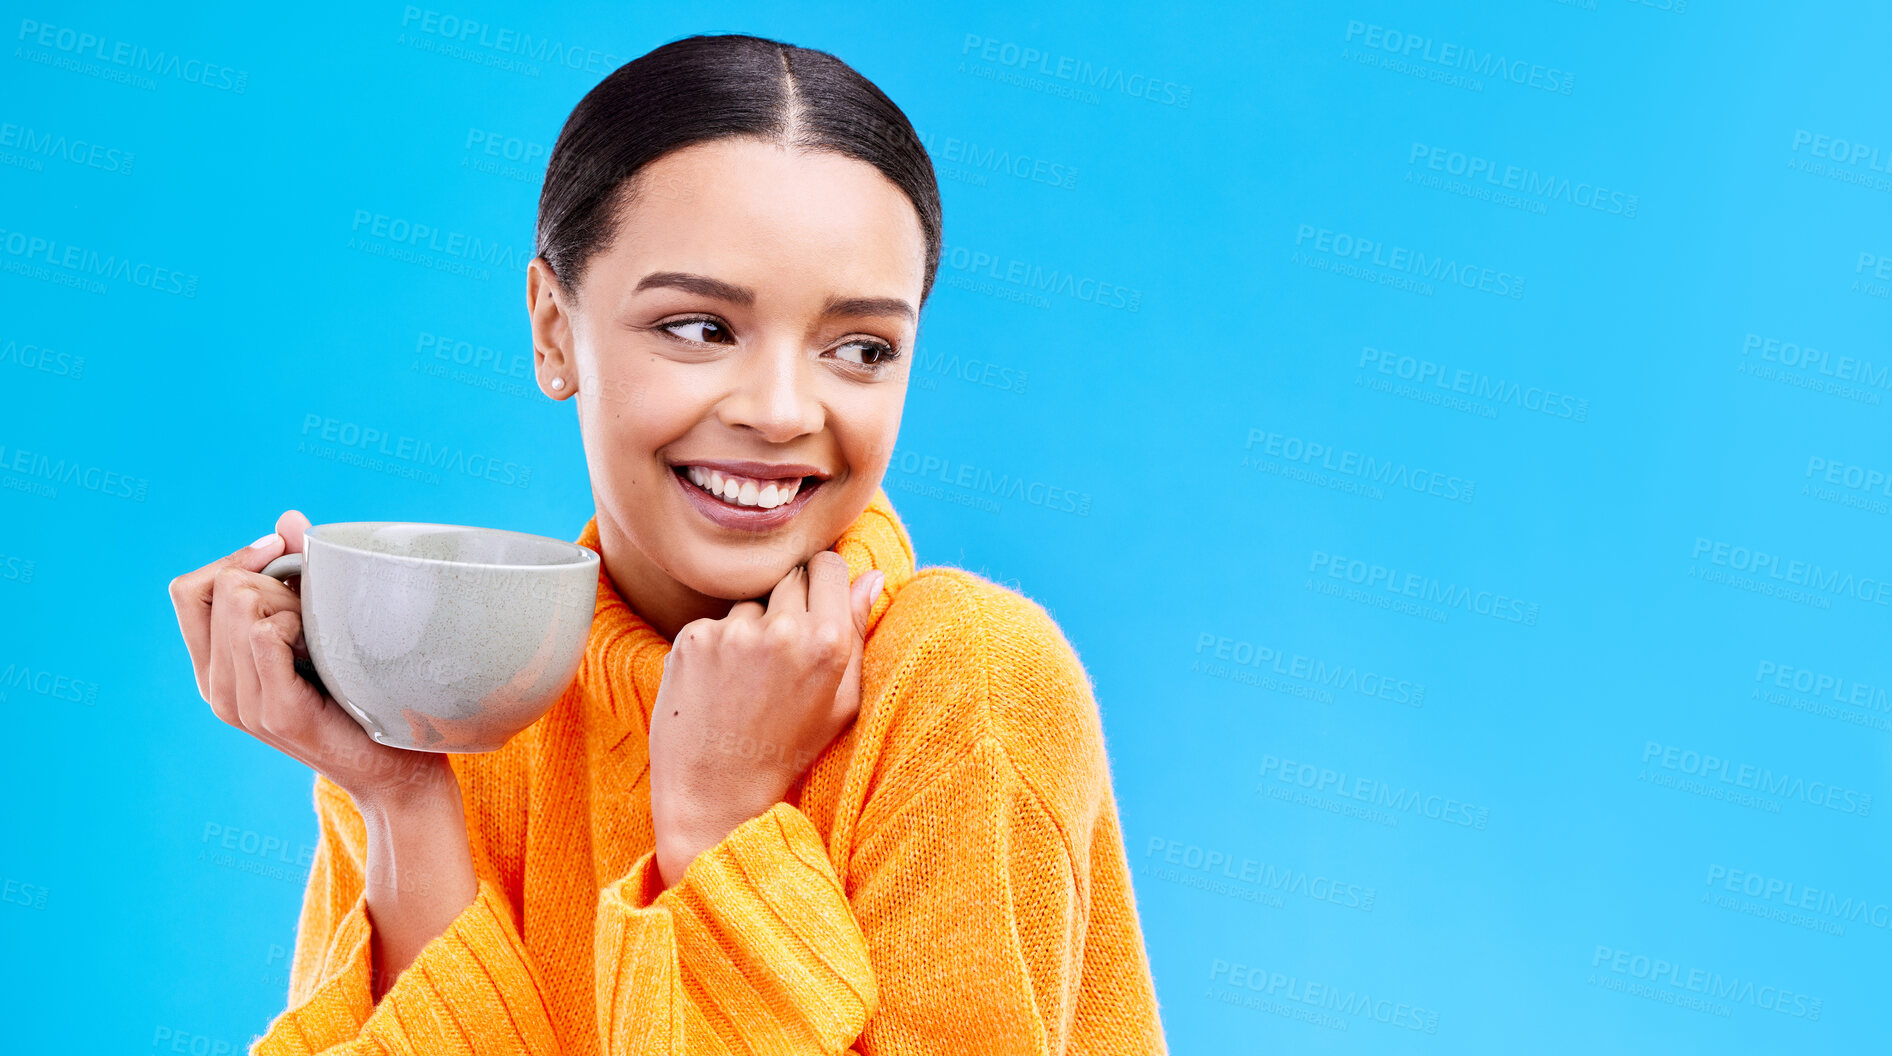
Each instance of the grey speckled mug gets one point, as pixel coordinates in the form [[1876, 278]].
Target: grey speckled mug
[[442, 637]]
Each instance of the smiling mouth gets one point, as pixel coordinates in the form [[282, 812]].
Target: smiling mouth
[[746, 492]]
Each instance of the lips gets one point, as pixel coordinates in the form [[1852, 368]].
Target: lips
[[748, 496]]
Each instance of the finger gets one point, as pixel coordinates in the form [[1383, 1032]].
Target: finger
[[865, 591], [216, 688], [791, 592], [241, 599], [261, 599], [294, 717], [847, 698], [290, 526], [242, 674], [231, 613], [827, 587], [191, 596], [746, 610]]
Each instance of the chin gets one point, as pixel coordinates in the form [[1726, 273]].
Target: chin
[[750, 568], [742, 573]]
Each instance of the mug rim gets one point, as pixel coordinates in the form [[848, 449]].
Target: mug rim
[[582, 555]]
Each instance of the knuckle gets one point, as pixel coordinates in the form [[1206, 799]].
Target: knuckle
[[828, 643], [278, 592], [272, 722], [263, 632], [781, 634], [229, 581]]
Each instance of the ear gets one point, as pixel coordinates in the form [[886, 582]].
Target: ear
[[547, 305]]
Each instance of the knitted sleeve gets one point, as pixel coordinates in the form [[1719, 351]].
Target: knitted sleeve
[[753, 949], [985, 911], [473, 989]]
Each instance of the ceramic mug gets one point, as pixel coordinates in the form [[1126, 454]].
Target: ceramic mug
[[442, 637]]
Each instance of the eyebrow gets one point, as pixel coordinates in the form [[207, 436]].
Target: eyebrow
[[705, 286]]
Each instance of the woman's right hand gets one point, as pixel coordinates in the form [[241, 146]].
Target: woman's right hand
[[242, 629]]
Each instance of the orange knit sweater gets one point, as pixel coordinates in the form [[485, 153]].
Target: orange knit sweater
[[951, 880]]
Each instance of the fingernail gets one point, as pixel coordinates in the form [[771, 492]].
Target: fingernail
[[266, 541], [880, 582]]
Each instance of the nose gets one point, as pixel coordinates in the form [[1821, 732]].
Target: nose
[[773, 394]]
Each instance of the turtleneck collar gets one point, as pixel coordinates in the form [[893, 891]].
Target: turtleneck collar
[[624, 657]]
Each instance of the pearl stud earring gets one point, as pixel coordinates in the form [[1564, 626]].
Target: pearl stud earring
[[558, 383]]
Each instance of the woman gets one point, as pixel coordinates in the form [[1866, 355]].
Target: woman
[[801, 796]]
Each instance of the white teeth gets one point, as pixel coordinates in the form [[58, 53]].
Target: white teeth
[[785, 492], [743, 491]]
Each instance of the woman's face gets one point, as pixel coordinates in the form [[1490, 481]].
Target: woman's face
[[747, 330]]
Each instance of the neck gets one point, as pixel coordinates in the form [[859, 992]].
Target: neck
[[656, 596]]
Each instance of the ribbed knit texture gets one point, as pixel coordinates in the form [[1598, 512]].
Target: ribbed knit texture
[[952, 879]]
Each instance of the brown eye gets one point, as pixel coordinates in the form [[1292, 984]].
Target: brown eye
[[866, 353], [708, 332]]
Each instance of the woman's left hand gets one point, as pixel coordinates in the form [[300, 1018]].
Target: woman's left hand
[[748, 701]]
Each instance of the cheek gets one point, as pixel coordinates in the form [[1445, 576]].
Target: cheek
[[620, 430], [868, 431], [637, 406]]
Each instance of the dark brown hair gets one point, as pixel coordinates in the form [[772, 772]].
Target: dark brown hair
[[709, 87]]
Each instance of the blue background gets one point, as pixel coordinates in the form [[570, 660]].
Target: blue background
[[1222, 207]]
